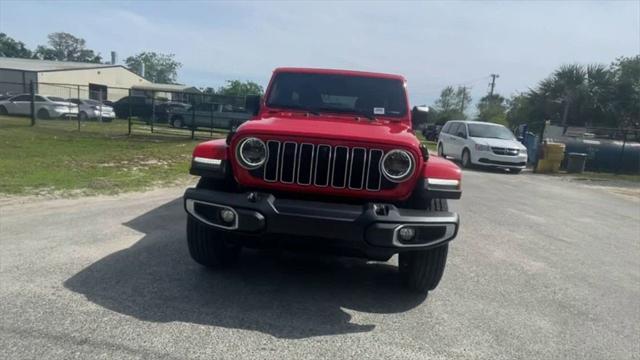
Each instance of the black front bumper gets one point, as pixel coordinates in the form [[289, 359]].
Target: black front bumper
[[371, 230]]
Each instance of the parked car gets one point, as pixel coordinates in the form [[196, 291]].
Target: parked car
[[93, 109], [483, 144], [164, 109], [46, 107], [431, 132], [207, 115], [143, 107], [328, 162]]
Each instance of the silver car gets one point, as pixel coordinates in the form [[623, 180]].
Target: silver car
[[93, 109], [207, 115], [46, 107]]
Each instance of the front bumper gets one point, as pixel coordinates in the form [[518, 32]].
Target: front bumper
[[488, 158], [371, 230], [105, 114]]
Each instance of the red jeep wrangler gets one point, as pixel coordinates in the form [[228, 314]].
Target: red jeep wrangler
[[328, 161]]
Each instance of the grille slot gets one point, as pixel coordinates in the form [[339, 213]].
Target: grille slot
[[340, 163], [322, 165], [357, 168], [288, 161]]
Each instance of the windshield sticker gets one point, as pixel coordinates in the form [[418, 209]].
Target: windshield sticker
[[378, 111]]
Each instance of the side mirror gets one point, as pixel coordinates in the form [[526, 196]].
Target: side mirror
[[252, 104], [419, 115]]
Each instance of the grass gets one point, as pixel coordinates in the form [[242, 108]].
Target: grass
[[54, 157], [432, 146]]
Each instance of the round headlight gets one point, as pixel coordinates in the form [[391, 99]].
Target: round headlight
[[252, 152], [397, 165]]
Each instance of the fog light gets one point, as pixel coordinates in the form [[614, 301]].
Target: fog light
[[406, 233], [227, 216]]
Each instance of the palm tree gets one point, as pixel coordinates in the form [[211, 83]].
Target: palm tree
[[569, 84], [598, 94]]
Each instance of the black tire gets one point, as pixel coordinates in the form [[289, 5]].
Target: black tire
[[515, 171], [440, 150], [465, 159], [43, 114], [3, 111], [82, 116], [421, 271], [177, 122], [211, 247]]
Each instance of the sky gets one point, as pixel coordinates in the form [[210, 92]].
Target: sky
[[433, 44]]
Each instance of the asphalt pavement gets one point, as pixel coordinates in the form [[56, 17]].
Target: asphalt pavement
[[542, 268]]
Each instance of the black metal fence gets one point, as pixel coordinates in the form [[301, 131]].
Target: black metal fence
[[122, 110]]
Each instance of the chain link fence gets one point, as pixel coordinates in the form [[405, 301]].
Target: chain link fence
[[121, 111]]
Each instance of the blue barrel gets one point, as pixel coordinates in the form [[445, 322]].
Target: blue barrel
[[605, 155]]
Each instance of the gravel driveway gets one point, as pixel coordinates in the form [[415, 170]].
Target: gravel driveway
[[542, 268]]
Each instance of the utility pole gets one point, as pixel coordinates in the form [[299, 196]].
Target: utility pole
[[493, 83], [464, 98]]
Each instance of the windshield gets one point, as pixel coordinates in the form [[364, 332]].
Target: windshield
[[55, 98], [338, 93], [490, 131], [91, 102]]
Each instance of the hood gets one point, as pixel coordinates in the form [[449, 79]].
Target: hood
[[512, 144], [333, 127]]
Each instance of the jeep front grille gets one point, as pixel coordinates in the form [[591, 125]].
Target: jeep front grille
[[322, 165]]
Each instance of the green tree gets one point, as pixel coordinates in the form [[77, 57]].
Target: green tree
[[158, 68], [451, 105], [565, 87], [463, 99], [66, 47], [12, 48], [240, 88], [625, 92], [593, 95], [492, 108]]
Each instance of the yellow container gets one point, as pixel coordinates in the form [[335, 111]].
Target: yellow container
[[552, 156]]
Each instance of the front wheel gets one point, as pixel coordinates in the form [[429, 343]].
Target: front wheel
[[466, 159], [83, 116], [440, 150], [3, 111], [211, 247], [43, 114], [421, 271], [177, 122]]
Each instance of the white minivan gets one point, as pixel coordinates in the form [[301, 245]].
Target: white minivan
[[482, 143]]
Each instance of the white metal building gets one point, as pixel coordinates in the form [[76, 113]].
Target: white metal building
[[67, 79]]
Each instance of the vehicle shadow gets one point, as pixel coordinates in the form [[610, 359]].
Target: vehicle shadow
[[288, 296], [488, 169]]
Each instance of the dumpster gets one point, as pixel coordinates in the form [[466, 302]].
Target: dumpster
[[576, 162]]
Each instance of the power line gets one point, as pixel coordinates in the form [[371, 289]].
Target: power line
[[458, 84]]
